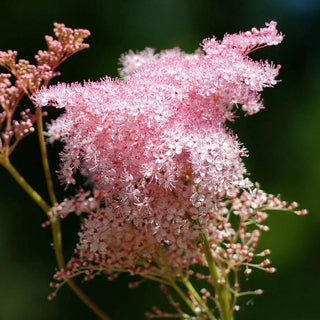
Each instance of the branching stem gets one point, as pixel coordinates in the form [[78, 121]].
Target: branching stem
[[196, 295], [174, 285], [222, 290]]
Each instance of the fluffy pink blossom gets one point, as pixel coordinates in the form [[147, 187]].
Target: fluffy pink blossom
[[166, 168], [167, 118], [162, 130]]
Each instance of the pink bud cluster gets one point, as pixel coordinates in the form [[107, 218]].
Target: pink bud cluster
[[235, 243], [112, 242], [29, 78]]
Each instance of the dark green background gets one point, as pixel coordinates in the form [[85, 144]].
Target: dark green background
[[283, 141]]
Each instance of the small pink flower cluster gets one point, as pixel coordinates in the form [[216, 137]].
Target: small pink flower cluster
[[114, 241], [29, 78], [166, 168]]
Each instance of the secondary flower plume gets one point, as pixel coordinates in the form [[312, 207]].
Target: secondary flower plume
[[171, 186], [29, 78]]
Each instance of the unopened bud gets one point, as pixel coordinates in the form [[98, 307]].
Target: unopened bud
[[265, 262], [205, 292], [248, 271], [301, 212], [264, 228], [133, 284], [265, 252], [52, 295], [165, 290], [293, 205], [54, 285], [258, 292]]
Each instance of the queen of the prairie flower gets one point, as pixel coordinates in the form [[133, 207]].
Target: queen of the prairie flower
[[168, 173]]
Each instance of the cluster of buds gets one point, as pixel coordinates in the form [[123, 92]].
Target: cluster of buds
[[28, 79], [111, 243]]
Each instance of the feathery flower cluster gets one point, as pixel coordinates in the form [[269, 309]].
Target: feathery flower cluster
[[29, 78], [111, 242], [166, 169]]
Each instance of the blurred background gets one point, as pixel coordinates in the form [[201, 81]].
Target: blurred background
[[283, 141]]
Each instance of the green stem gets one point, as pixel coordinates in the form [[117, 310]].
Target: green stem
[[194, 292], [5, 162], [222, 290], [174, 285], [87, 301], [44, 156]]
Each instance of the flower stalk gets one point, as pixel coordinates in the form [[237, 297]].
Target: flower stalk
[[200, 301], [174, 285], [5, 162], [44, 156], [222, 290]]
